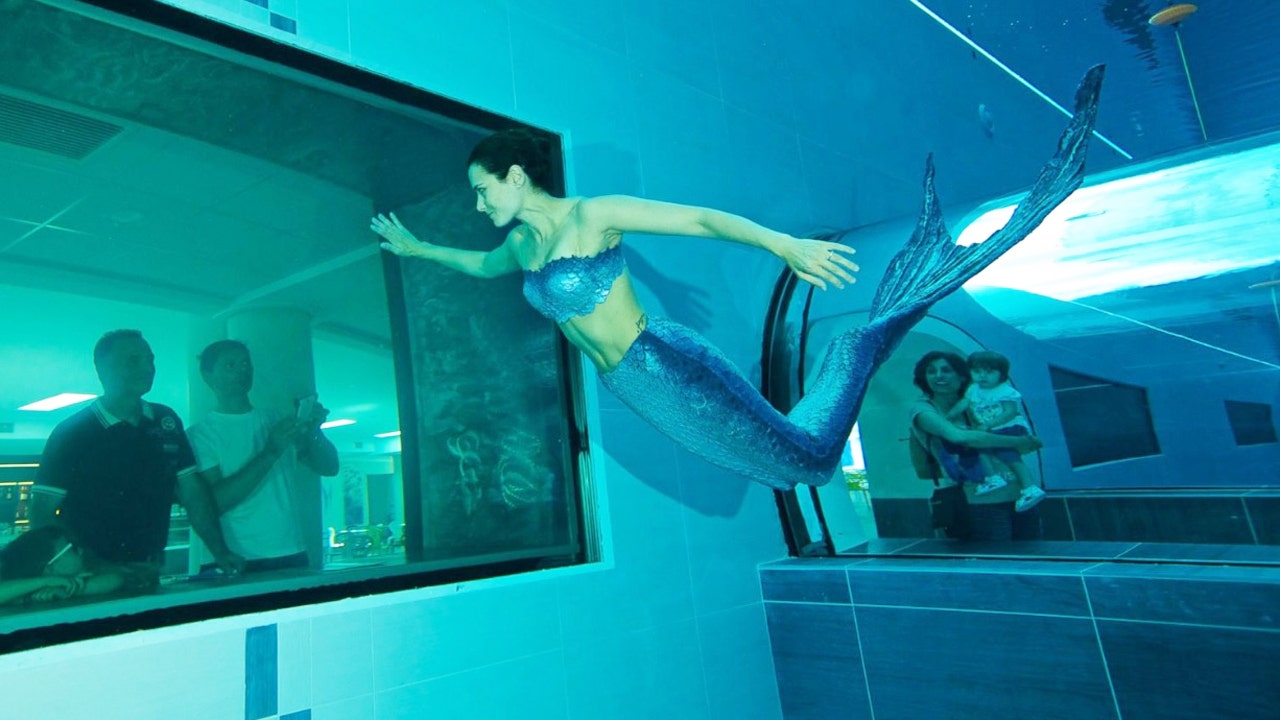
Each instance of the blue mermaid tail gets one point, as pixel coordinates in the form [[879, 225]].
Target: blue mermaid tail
[[689, 391]]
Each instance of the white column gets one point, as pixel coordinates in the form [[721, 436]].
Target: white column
[[279, 341]]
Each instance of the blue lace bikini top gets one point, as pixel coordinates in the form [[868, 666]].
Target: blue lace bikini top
[[569, 287]]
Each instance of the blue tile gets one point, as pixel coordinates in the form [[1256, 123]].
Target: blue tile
[[443, 636], [817, 661], [1161, 519], [882, 546], [674, 38], [1254, 554], [1007, 566], [260, 672], [931, 664], [438, 48], [1223, 573], [660, 675], [813, 586], [324, 22], [1001, 591], [738, 664], [1055, 521], [754, 68], [600, 22], [783, 203], [640, 450], [681, 139], [1177, 672], [281, 22], [527, 687], [597, 109], [1264, 515], [300, 715], [811, 563], [1196, 601], [1078, 550]]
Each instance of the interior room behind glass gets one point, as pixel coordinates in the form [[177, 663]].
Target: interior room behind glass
[[172, 187]]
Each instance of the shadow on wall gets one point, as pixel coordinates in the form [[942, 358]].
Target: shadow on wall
[[649, 457], [637, 448]]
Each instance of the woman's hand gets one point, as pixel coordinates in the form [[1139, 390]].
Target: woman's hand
[[399, 240], [820, 262]]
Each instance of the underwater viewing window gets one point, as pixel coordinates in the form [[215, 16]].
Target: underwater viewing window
[[1251, 422], [1102, 421], [166, 173], [1141, 328]]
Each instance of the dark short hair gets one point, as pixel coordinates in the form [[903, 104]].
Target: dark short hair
[[108, 342], [990, 360], [529, 149], [209, 356], [956, 362], [30, 552]]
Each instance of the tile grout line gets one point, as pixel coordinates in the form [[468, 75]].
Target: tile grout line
[[1102, 651], [1060, 616], [693, 600], [511, 49], [862, 657], [564, 655], [1248, 520]]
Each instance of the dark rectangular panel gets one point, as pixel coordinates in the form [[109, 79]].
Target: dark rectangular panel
[[929, 664], [959, 589], [1201, 601], [813, 586], [1180, 672], [817, 661]]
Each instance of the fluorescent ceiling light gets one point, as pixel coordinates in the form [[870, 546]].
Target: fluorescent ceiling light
[[60, 400], [393, 433], [340, 422]]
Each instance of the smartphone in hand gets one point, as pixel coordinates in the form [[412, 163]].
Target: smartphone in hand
[[306, 404]]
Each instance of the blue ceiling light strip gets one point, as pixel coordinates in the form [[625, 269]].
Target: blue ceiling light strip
[[1008, 70]]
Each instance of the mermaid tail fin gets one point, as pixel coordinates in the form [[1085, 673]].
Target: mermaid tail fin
[[932, 266], [927, 269], [688, 390]]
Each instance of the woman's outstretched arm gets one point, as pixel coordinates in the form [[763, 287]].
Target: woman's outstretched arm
[[398, 240], [815, 261]]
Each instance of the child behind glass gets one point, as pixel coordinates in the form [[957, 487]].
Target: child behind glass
[[992, 404]]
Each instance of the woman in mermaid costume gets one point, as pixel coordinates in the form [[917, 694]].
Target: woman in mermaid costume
[[569, 250]]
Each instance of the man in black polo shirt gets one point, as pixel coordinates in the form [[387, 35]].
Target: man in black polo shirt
[[111, 472]]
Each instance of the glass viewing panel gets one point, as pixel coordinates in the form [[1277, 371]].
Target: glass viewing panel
[[159, 182], [1141, 325]]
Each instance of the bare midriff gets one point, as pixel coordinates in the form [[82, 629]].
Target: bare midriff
[[606, 334]]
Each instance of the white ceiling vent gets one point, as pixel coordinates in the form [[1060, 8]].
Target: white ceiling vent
[[50, 130]]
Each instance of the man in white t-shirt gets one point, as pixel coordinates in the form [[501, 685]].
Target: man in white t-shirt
[[249, 458]]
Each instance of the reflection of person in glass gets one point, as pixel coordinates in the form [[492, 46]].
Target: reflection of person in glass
[[45, 564], [569, 251], [110, 472], [249, 457], [991, 403], [942, 378]]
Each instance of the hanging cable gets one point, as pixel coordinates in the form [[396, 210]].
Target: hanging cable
[[1173, 16]]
